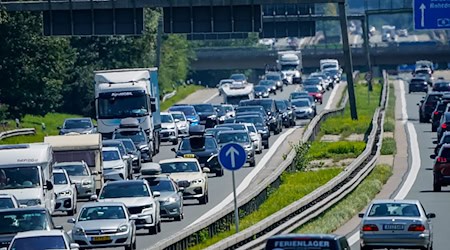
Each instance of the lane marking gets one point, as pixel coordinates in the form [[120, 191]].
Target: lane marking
[[333, 93], [210, 98], [415, 156]]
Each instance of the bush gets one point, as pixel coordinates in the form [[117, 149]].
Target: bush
[[335, 150], [389, 147], [389, 125]]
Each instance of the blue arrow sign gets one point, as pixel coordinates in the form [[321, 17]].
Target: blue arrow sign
[[431, 14], [232, 156]]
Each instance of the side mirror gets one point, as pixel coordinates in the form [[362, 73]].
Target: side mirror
[[74, 246], [181, 189], [156, 194], [59, 127], [71, 220], [431, 215], [206, 170], [21, 206], [432, 156], [173, 150], [93, 197], [153, 104], [177, 120], [435, 142], [361, 215], [134, 217], [48, 185]]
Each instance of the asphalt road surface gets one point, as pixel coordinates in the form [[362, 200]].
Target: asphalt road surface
[[219, 187]]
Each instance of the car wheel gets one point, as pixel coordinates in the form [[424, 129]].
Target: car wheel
[[365, 248], [175, 142], [158, 227], [153, 230], [220, 172], [266, 146], [204, 200], [433, 129], [437, 187], [253, 162], [178, 217]]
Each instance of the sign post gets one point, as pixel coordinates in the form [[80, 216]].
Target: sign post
[[232, 157], [431, 14]]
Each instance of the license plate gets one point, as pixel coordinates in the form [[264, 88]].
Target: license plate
[[189, 156], [393, 227], [101, 238]]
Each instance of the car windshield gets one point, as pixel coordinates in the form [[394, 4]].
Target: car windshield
[[251, 128], [6, 203], [129, 145], [418, 81], [298, 94], [301, 103], [179, 167], [137, 136], [14, 221], [422, 71], [312, 89], [220, 110], [75, 169], [273, 77], [122, 106], [281, 105], [204, 108], [260, 89], [19, 177], [329, 66], [161, 185], [445, 139], [288, 67], [228, 108], [110, 155], [179, 116], [166, 118], [433, 98], [266, 83], [445, 153], [39, 243], [258, 121], [232, 126], [60, 179], [76, 124], [394, 209], [311, 81], [232, 137], [124, 189], [102, 213], [210, 144], [238, 77], [188, 111]]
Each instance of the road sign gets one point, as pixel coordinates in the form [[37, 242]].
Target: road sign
[[431, 14], [232, 156]]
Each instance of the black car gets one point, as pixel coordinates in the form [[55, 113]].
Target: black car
[[427, 105], [260, 125], [221, 112], [140, 140], [203, 147], [274, 116], [426, 73], [15, 220], [287, 113], [261, 91], [251, 110], [277, 78], [441, 107], [441, 86], [418, 84], [214, 131], [271, 85], [78, 125], [444, 125], [134, 152], [445, 139], [207, 114]]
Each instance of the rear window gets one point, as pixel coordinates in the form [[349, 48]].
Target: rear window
[[433, 98], [445, 153], [417, 81], [393, 209], [295, 243]]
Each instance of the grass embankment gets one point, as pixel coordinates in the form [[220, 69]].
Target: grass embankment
[[335, 150], [389, 120], [53, 120], [294, 186], [352, 204], [182, 92]]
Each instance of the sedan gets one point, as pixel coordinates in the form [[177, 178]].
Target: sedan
[[43, 240], [241, 137], [261, 91], [104, 225], [303, 109], [65, 191], [396, 224], [8, 201], [315, 92], [269, 84]]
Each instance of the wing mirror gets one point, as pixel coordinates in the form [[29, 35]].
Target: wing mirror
[[432, 156], [59, 227], [361, 215], [431, 215], [74, 246], [173, 150], [181, 189], [206, 170], [48, 185], [71, 220], [93, 197], [59, 127], [156, 194]]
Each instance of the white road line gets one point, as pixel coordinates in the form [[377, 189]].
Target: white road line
[[210, 98], [333, 93], [415, 155]]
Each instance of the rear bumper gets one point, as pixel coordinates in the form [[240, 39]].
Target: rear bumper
[[396, 240]]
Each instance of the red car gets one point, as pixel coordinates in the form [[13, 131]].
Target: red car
[[441, 168], [315, 92]]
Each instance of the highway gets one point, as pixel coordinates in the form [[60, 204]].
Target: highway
[[219, 187], [420, 137]]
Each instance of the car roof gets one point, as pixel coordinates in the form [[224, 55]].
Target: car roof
[[39, 233], [78, 118], [395, 201], [7, 196], [178, 160], [233, 131], [165, 113], [110, 149], [29, 209], [320, 236], [59, 170], [68, 163], [125, 181], [96, 204], [110, 141], [249, 116]]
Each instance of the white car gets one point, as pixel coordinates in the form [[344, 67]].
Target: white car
[[189, 175], [222, 83], [65, 191], [139, 199], [114, 166], [255, 136], [104, 224], [43, 240], [181, 122], [169, 131], [8, 201]]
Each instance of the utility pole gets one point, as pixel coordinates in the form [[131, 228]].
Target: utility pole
[[348, 60], [365, 27], [158, 41]]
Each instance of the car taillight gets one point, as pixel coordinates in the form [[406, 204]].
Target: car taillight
[[370, 227], [441, 159], [416, 228], [436, 113], [444, 126]]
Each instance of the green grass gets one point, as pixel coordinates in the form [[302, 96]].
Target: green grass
[[51, 120], [335, 150], [294, 186], [182, 92], [352, 204], [389, 120], [344, 125], [389, 146]]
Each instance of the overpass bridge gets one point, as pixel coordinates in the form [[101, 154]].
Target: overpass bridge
[[380, 53]]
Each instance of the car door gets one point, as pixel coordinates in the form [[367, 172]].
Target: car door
[[428, 220]]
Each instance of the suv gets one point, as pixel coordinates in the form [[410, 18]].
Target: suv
[[441, 168], [207, 114], [444, 140], [427, 105], [315, 241], [139, 199], [140, 139], [444, 125], [274, 115]]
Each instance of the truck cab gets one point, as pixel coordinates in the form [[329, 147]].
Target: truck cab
[[290, 65]]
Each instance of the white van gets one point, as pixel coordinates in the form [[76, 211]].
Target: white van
[[26, 171], [329, 64]]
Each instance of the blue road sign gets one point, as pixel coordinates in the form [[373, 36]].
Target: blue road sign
[[431, 14], [232, 156]]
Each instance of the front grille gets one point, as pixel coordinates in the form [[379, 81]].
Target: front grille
[[100, 232], [101, 242], [136, 210], [203, 159]]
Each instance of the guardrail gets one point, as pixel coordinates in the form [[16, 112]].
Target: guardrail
[[250, 201], [17, 132], [169, 95]]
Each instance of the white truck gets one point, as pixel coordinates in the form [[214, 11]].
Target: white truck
[[290, 65], [236, 92], [388, 33], [328, 64], [80, 147], [128, 93], [26, 171]]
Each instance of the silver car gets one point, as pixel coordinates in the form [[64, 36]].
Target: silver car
[[80, 175], [396, 224], [104, 224]]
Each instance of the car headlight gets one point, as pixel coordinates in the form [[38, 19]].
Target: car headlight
[[182, 126], [143, 148], [171, 200], [123, 228], [284, 114], [86, 182], [197, 181], [171, 127], [266, 94], [65, 193], [78, 231], [297, 74], [119, 167], [212, 117], [147, 208]]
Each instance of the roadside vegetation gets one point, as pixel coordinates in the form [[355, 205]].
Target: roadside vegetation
[[389, 146], [352, 204], [294, 186], [182, 92], [389, 120], [335, 150]]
